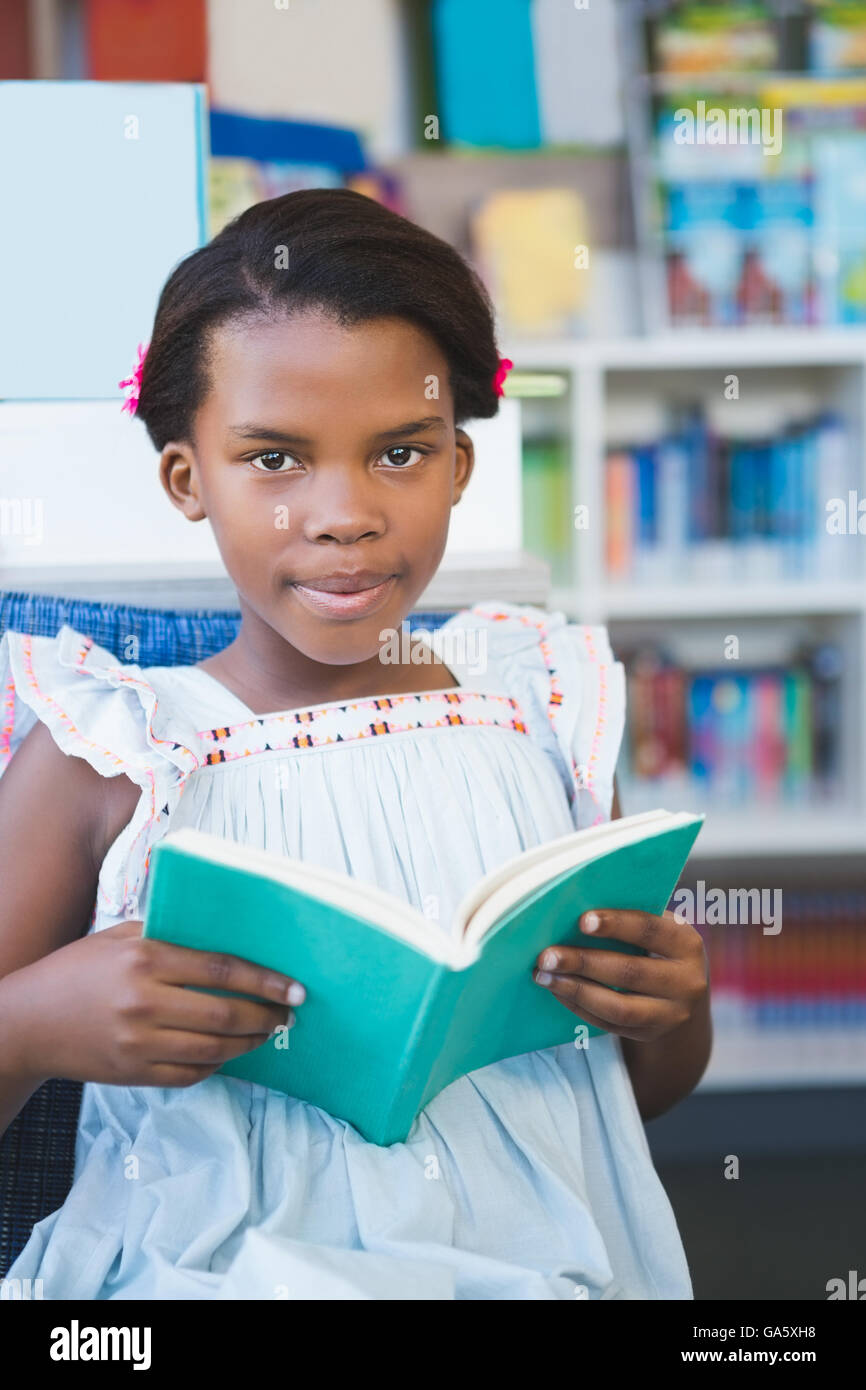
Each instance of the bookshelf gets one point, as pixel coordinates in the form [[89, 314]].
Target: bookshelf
[[596, 371], [812, 85], [758, 844]]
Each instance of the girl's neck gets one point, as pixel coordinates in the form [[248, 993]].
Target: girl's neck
[[265, 678]]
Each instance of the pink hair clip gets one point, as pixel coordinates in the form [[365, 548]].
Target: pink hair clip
[[505, 365], [134, 382]]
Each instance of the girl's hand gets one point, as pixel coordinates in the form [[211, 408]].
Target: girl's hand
[[666, 987], [112, 1008]]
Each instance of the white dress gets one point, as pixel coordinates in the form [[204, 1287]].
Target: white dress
[[528, 1179]]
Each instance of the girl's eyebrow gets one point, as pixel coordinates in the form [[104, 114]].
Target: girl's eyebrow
[[252, 431]]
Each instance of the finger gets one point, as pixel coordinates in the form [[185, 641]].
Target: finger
[[167, 1074], [201, 1049], [625, 1011], [662, 936], [183, 965], [586, 1016], [661, 979], [122, 929], [195, 1012]]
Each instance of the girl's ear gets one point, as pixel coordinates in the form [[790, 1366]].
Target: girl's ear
[[178, 473], [465, 462]]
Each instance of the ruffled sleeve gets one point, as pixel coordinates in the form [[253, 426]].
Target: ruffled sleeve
[[106, 712], [564, 677]]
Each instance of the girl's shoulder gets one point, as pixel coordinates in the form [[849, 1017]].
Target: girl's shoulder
[[523, 635], [96, 707], [110, 714], [564, 677]]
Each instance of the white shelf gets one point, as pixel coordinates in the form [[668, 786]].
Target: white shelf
[[759, 831], [712, 347], [728, 834], [768, 1059], [688, 600]]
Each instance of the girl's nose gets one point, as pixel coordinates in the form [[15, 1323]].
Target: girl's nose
[[341, 510]]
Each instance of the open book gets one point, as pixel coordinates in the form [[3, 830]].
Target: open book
[[398, 1007]]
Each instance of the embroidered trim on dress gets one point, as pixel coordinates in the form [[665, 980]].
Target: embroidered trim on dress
[[8, 723], [311, 728], [331, 724], [584, 776]]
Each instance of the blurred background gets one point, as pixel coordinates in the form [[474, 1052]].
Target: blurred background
[[667, 204]]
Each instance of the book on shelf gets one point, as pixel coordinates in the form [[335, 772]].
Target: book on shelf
[[548, 528], [807, 971], [343, 65], [697, 38], [751, 509], [161, 41], [550, 76], [397, 1006], [253, 158], [578, 73], [733, 738], [494, 103], [757, 165], [527, 244], [787, 249]]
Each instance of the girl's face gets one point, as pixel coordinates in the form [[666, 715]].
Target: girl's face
[[327, 462]]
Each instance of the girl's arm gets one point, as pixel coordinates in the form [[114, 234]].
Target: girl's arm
[[665, 1071], [56, 814], [112, 1007], [663, 1022]]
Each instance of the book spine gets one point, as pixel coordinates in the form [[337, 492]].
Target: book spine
[[420, 1055], [453, 1047], [619, 489]]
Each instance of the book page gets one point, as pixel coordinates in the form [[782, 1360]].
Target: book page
[[583, 846], [582, 843], [346, 894]]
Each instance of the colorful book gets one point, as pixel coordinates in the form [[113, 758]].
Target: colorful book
[[699, 503], [397, 1009]]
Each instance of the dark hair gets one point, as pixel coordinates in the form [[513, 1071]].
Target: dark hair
[[348, 255]]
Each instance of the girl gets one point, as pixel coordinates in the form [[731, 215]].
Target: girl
[[305, 385]]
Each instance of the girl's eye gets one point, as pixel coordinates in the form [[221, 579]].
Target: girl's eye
[[401, 449], [270, 462]]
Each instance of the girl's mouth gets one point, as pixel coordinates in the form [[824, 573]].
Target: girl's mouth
[[353, 602]]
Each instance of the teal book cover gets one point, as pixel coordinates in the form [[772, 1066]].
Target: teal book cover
[[396, 1008], [485, 73]]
